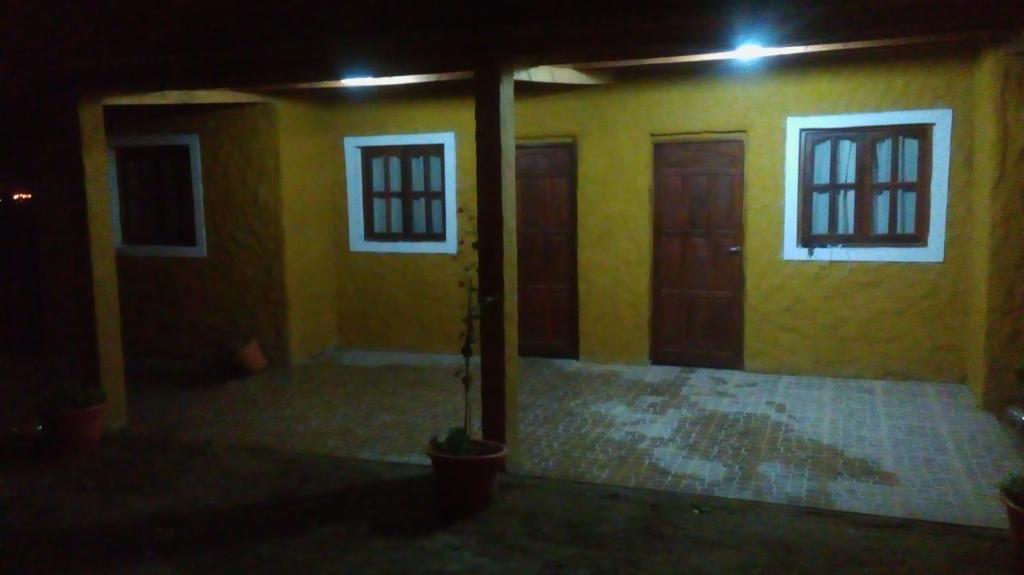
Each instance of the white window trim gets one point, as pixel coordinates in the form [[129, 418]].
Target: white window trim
[[354, 178], [190, 140], [934, 250]]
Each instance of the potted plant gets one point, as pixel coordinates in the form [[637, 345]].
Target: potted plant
[[1011, 492], [466, 469], [73, 422]]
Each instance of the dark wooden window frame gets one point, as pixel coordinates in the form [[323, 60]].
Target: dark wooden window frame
[[405, 194], [864, 187]]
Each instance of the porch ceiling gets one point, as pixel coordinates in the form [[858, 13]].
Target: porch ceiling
[[187, 44]]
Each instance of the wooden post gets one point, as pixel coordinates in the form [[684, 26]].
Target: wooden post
[[496, 212], [57, 149]]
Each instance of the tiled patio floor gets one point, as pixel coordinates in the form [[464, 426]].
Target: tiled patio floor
[[905, 449]]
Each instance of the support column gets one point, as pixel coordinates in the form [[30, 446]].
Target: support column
[[106, 302], [57, 148], [496, 212]]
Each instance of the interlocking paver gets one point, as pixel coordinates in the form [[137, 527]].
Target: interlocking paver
[[909, 449]]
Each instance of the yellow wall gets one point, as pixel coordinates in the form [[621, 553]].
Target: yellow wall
[[192, 309], [390, 301], [997, 270], [861, 319]]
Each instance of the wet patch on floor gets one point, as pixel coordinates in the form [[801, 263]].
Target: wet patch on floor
[[866, 446]]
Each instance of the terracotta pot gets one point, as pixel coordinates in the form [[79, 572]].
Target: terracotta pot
[[466, 484], [1016, 516], [250, 358], [75, 429]]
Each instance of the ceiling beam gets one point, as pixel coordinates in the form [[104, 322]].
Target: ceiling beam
[[558, 75], [779, 51], [178, 97], [371, 81]]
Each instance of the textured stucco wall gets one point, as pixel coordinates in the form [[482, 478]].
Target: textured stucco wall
[[844, 319], [997, 268], [380, 301], [849, 319], [312, 243], [190, 309]]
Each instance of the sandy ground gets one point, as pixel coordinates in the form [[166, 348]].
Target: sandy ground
[[147, 505]]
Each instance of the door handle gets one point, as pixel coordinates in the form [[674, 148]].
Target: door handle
[[735, 249]]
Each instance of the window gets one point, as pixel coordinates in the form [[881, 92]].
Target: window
[[864, 186], [157, 195], [867, 187], [403, 197], [401, 193]]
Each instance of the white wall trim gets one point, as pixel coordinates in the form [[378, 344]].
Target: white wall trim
[[190, 140], [934, 251], [354, 181]]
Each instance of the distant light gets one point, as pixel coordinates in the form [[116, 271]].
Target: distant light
[[751, 51], [21, 197]]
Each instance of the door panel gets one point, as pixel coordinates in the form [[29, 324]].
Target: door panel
[[548, 302], [697, 305]]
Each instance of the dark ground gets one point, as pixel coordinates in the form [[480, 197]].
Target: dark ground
[[143, 505]]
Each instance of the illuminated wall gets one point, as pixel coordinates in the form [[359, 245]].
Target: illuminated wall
[[945, 321], [843, 319], [193, 309]]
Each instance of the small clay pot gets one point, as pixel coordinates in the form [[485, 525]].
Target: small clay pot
[[1015, 514], [74, 430], [466, 484], [250, 358]]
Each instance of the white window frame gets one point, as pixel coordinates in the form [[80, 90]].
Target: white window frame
[[354, 178], [190, 140], [934, 250]]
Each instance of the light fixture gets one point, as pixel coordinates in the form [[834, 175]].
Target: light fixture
[[361, 81], [751, 51], [358, 81]]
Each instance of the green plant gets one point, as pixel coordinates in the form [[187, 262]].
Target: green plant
[[1013, 487], [456, 440]]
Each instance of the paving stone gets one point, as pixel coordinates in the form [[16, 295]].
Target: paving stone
[[911, 449]]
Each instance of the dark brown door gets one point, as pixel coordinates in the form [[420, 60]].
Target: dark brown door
[[548, 312], [697, 315]]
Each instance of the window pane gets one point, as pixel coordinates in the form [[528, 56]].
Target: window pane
[[419, 215], [380, 215], [844, 212], [819, 212], [436, 173], [908, 159], [377, 167], [395, 173], [880, 213], [436, 216], [155, 195], [416, 169], [822, 162], [883, 160], [396, 216], [906, 211], [846, 162]]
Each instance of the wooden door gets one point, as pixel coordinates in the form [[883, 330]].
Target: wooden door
[[546, 212], [697, 311]]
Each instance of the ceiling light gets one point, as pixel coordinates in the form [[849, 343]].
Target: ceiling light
[[750, 51]]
